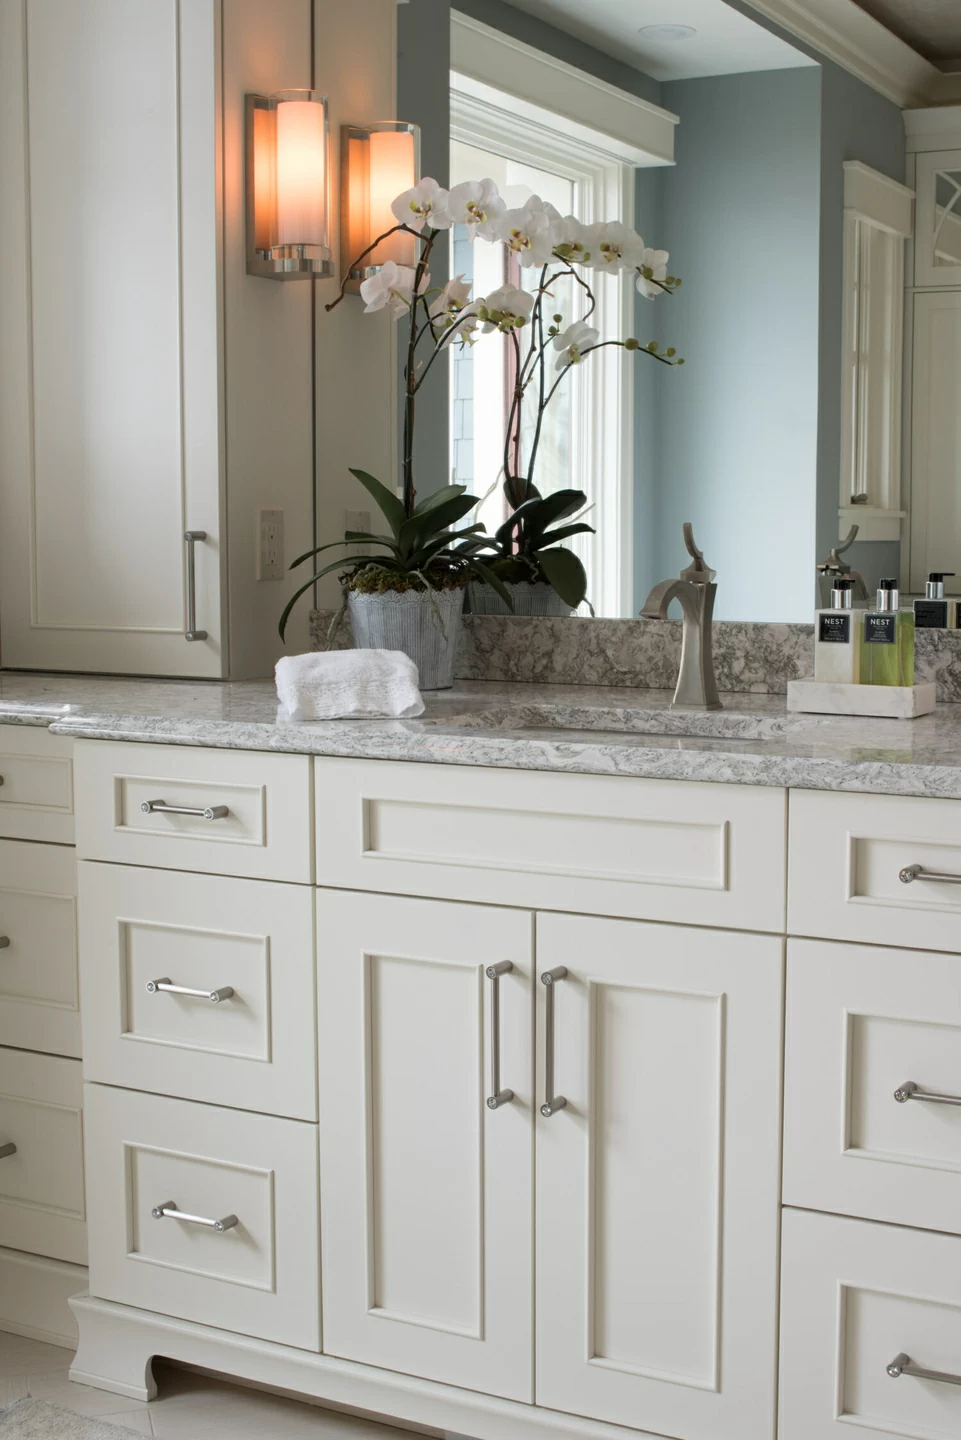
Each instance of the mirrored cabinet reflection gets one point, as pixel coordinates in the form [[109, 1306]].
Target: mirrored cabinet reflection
[[938, 247]]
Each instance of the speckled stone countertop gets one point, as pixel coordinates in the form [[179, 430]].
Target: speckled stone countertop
[[584, 729]]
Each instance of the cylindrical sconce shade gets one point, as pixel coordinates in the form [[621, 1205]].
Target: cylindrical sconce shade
[[287, 185], [378, 163]]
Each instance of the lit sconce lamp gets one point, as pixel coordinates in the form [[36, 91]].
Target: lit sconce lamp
[[378, 162], [287, 185]]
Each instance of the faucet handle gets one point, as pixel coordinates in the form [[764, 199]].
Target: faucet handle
[[699, 573]]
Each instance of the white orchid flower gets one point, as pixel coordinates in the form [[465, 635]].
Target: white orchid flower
[[572, 240], [527, 232], [476, 204], [425, 204], [651, 266], [393, 286], [613, 246], [449, 304], [503, 309], [573, 342]]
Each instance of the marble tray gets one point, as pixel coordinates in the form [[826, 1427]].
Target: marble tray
[[893, 702]]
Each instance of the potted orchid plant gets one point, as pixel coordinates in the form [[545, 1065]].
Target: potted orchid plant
[[407, 590]]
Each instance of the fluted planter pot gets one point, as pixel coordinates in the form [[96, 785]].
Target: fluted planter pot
[[537, 598], [425, 627]]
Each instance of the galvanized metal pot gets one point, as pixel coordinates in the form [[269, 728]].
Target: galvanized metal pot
[[537, 598], [424, 626]]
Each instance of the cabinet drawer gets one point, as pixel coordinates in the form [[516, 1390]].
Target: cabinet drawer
[[36, 796], [862, 1023], [854, 1298], [39, 1004], [253, 1048], [258, 819], [259, 1275], [847, 854], [41, 1181], [644, 849]]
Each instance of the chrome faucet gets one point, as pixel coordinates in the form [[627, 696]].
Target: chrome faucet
[[695, 590]]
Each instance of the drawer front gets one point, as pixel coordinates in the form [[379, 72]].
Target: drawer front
[[856, 1297], [258, 820], [847, 853], [39, 1001], [865, 1025], [36, 796], [643, 849], [253, 1048], [41, 1180], [259, 1274]]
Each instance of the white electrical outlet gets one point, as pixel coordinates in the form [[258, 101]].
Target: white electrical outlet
[[270, 544], [358, 520]]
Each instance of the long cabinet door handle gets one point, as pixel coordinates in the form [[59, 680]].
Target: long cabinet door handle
[[201, 812], [497, 1097], [8, 1149], [911, 873], [910, 1091], [168, 1211], [164, 987], [903, 1365], [552, 1103], [190, 539]]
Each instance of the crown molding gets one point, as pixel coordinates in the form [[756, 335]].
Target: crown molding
[[846, 34]]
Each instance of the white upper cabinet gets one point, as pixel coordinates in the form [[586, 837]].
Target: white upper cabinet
[[936, 436], [110, 334], [937, 251]]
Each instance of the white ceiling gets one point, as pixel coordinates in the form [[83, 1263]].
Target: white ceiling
[[726, 42]]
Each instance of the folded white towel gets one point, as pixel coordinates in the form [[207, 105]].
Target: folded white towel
[[341, 683]]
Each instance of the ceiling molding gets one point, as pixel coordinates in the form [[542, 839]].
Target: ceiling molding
[[845, 33]]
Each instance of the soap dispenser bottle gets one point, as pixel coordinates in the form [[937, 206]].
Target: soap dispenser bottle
[[887, 645], [837, 637], [936, 611]]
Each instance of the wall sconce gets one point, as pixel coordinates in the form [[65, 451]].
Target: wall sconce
[[287, 186], [377, 163]]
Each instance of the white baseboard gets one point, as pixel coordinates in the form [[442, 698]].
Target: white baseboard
[[33, 1297]]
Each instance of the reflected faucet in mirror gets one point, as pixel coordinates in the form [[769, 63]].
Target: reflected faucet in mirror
[[695, 591], [834, 566]]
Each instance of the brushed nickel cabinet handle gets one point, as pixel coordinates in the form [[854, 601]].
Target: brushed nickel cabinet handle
[[8, 1149], [200, 812], [552, 1103], [903, 1365], [497, 1097], [911, 873], [168, 1211], [164, 986], [191, 632], [910, 1091]]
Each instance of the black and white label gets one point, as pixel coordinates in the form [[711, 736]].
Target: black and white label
[[880, 629], [834, 627], [931, 614]]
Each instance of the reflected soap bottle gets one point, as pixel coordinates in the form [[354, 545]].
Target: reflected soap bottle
[[936, 611], [837, 637], [887, 642]]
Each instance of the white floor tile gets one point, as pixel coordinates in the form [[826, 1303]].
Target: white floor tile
[[12, 1387], [58, 1389], [136, 1420]]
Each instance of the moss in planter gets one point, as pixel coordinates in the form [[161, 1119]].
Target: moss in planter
[[371, 580], [514, 572]]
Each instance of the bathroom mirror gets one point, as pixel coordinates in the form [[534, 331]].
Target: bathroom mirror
[[947, 217], [744, 441]]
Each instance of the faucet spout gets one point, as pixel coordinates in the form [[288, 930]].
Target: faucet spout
[[696, 683]]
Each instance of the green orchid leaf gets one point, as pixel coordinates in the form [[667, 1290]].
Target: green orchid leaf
[[316, 551], [555, 507], [488, 576], [562, 569], [387, 502], [430, 502], [440, 545], [353, 536], [554, 537], [420, 529], [351, 560]]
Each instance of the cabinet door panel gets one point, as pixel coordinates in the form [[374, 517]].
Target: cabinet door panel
[[935, 432], [426, 1192], [39, 999], [657, 1183]]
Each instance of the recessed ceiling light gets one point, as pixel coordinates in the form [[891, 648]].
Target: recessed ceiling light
[[667, 32]]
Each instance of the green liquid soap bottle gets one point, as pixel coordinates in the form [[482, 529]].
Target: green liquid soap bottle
[[887, 640]]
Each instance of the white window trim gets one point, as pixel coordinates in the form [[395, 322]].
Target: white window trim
[[604, 398]]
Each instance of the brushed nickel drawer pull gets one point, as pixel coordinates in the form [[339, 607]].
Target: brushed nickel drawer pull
[[903, 1365], [190, 538], [918, 872], [168, 1211], [164, 987], [8, 1149], [910, 1091], [552, 1103], [497, 1097], [160, 807], [4, 942]]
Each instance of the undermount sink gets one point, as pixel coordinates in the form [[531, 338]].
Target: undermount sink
[[622, 720]]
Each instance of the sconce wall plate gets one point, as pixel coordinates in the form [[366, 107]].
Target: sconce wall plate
[[287, 185], [377, 163]]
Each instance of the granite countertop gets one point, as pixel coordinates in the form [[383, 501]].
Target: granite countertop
[[606, 731]]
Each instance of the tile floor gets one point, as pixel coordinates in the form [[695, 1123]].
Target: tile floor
[[188, 1406]]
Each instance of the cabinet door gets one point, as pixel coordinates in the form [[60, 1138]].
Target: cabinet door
[[657, 1182], [426, 1191], [937, 249], [110, 344], [935, 433]]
